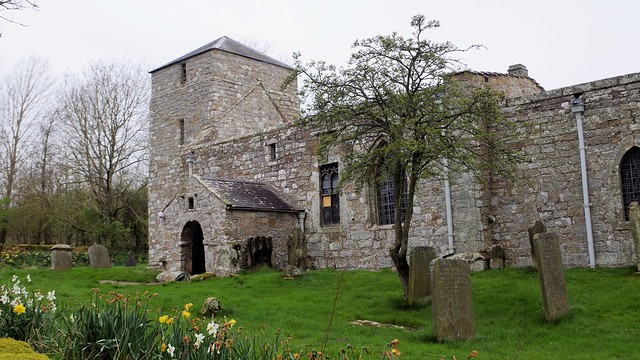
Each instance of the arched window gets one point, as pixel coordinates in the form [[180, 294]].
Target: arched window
[[330, 200], [630, 178], [386, 197]]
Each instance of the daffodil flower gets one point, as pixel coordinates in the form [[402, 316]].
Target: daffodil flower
[[19, 309]]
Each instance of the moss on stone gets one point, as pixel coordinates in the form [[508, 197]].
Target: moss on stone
[[11, 349]]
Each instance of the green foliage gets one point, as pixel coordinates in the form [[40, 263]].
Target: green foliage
[[113, 328], [26, 316]]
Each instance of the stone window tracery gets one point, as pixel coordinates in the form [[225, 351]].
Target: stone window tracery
[[329, 198], [386, 197], [630, 178]]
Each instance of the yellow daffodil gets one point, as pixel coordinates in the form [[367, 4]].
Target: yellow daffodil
[[188, 306], [163, 347], [163, 319], [186, 314], [170, 320], [19, 309]]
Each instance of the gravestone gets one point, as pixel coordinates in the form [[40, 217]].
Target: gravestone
[[131, 260], [419, 274], [99, 256], [554, 288], [451, 302], [634, 220], [61, 257], [537, 228]]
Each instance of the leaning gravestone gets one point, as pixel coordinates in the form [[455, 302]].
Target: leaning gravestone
[[537, 228], [419, 274], [451, 303], [99, 256], [61, 257], [554, 288], [131, 260], [634, 220]]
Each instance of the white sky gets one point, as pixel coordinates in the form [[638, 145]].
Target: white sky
[[562, 43]]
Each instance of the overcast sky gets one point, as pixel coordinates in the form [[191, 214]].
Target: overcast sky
[[562, 43]]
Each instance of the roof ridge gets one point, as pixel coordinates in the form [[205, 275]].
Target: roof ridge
[[225, 43]]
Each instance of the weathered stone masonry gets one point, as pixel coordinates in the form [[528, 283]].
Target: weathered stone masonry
[[234, 119]]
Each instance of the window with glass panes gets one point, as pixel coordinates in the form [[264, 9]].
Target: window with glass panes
[[329, 198], [630, 178]]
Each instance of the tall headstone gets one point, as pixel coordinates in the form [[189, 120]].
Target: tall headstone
[[634, 220], [99, 256], [419, 274], [451, 302], [537, 228], [61, 257], [554, 287]]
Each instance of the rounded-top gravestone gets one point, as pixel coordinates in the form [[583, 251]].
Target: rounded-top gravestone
[[99, 256]]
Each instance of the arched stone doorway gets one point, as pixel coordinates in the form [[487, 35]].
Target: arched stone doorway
[[192, 248]]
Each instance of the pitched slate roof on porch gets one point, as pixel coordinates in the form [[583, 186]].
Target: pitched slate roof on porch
[[246, 195]]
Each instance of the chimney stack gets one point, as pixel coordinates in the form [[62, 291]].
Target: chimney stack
[[519, 70]]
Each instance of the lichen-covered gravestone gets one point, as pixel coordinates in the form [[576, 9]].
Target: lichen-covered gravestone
[[634, 220], [537, 228], [451, 302], [554, 287], [99, 256], [61, 257], [419, 274]]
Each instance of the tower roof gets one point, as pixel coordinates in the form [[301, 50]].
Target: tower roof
[[229, 45]]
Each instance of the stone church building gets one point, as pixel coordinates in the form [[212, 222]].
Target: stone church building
[[232, 179]]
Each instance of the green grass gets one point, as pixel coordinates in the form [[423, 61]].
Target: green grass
[[604, 322]]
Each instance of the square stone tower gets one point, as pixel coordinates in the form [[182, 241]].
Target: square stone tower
[[219, 92]]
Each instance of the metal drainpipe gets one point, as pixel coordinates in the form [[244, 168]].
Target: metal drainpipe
[[447, 197], [577, 107]]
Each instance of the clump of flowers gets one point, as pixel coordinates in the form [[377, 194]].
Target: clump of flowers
[[25, 315]]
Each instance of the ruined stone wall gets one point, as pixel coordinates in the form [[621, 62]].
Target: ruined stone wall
[[549, 185], [279, 227]]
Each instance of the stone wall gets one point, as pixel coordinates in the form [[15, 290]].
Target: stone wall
[[549, 185]]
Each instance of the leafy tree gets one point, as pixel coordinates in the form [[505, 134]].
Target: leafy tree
[[401, 93]]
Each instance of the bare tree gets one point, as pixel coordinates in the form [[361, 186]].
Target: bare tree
[[105, 115], [12, 5], [23, 99]]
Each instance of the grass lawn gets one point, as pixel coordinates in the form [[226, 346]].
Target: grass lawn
[[604, 322]]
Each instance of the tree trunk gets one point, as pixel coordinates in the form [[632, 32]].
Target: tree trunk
[[402, 267]]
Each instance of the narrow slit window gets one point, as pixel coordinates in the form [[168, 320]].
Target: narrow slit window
[[191, 203], [181, 131], [183, 73], [273, 155]]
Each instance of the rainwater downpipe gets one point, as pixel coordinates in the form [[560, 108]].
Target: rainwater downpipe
[[447, 198], [577, 107]]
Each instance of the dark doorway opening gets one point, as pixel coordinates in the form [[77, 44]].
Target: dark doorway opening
[[259, 251], [192, 248]]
